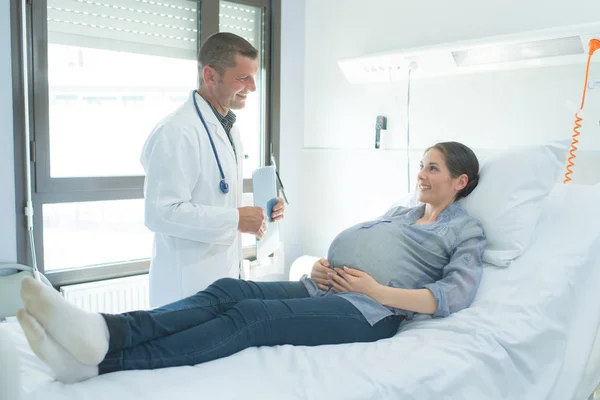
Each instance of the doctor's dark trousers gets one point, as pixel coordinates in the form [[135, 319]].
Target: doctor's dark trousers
[[232, 315]]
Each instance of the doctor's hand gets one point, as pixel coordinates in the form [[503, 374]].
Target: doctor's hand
[[253, 220], [319, 273], [352, 280], [278, 209]]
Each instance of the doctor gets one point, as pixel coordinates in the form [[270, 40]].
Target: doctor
[[194, 180]]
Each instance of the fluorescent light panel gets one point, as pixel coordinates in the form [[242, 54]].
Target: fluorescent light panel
[[504, 53]]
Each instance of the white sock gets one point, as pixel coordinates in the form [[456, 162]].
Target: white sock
[[83, 334], [66, 368]]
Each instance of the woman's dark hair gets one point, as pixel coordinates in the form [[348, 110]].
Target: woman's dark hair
[[460, 160]]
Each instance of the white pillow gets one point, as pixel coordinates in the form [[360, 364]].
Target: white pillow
[[509, 196]]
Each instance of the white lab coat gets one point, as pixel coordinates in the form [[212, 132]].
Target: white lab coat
[[195, 225]]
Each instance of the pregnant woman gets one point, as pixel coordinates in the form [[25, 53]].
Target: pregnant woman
[[425, 259]]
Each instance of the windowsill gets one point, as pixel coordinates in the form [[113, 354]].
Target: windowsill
[[97, 273], [268, 278], [266, 270], [111, 271]]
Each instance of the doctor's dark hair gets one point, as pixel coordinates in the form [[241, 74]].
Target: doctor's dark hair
[[220, 49], [460, 160]]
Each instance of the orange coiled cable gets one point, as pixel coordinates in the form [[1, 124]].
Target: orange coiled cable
[[594, 45]]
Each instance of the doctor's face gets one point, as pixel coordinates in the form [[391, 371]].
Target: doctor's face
[[234, 85], [436, 184]]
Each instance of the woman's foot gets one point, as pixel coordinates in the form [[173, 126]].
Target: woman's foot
[[66, 368], [81, 333]]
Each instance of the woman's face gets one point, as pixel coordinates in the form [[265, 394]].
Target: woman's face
[[436, 185]]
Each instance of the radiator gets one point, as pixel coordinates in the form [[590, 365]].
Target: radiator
[[111, 296]]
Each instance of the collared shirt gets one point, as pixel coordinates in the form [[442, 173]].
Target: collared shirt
[[227, 122], [444, 257]]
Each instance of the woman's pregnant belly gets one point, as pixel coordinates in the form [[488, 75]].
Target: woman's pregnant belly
[[377, 248]]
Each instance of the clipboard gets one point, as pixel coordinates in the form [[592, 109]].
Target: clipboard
[[264, 188]]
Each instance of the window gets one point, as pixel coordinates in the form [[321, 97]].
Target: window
[[101, 75], [101, 99]]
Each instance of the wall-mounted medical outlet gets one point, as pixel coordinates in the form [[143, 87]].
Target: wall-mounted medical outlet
[[380, 124]]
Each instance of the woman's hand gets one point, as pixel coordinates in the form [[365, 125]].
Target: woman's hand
[[352, 280], [319, 273]]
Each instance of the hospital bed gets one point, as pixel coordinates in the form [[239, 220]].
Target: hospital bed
[[531, 333]]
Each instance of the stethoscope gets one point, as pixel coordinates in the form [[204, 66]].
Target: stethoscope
[[223, 185]]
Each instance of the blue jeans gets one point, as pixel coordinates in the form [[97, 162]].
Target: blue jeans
[[232, 315]]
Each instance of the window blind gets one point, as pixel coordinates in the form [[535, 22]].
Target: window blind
[[167, 28], [245, 21]]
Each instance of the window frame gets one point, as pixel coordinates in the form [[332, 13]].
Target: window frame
[[48, 190]]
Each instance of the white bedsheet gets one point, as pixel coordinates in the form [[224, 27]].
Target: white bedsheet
[[527, 336]]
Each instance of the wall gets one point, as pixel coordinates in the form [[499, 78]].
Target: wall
[[292, 123], [344, 179], [8, 247]]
